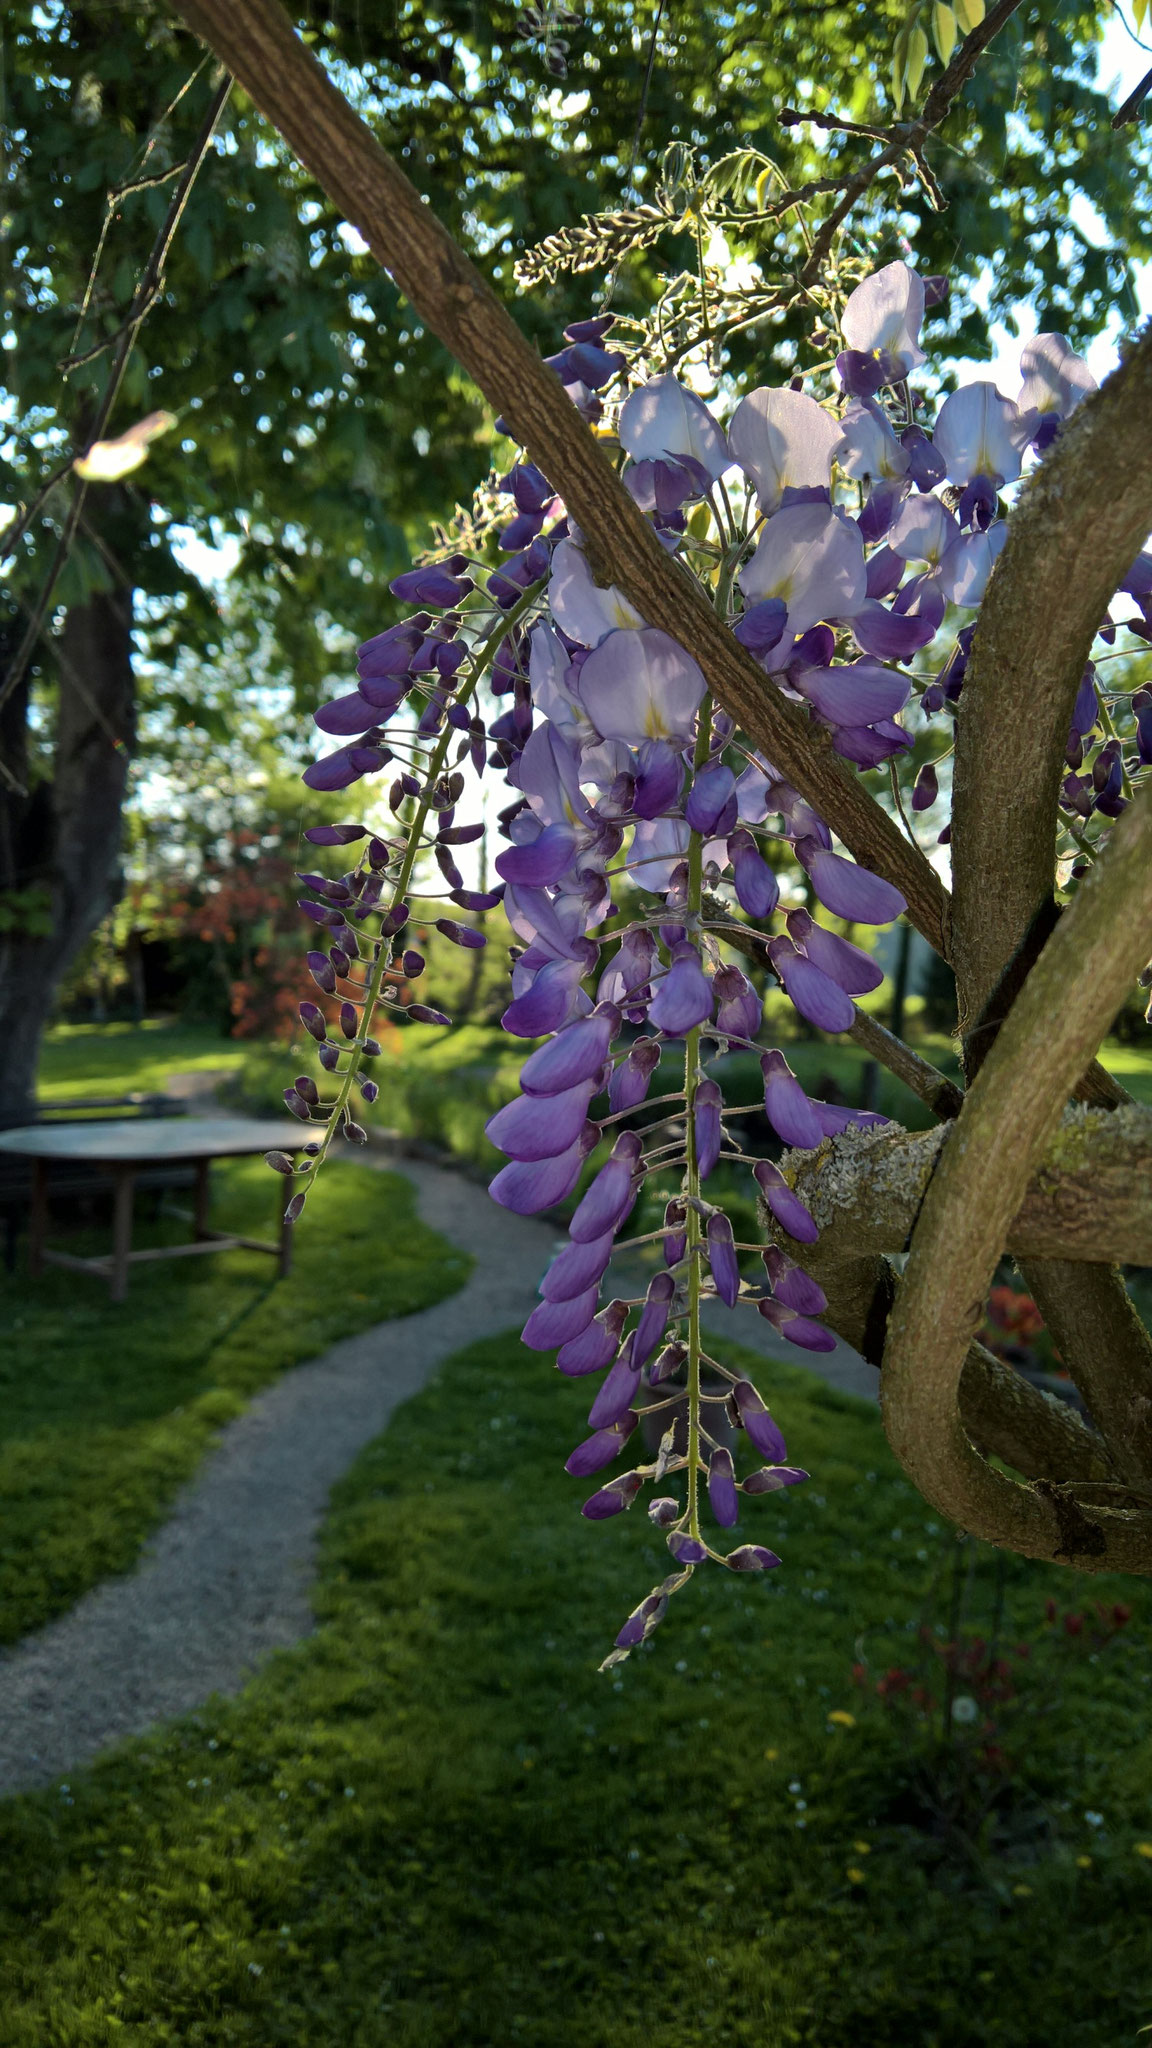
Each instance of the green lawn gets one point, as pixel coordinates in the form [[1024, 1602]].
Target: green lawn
[[119, 1059], [434, 1825], [105, 1409]]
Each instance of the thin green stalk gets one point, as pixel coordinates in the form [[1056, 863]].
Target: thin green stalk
[[691, 1181], [383, 948]]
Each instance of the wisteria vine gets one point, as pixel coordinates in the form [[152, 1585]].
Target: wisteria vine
[[837, 539]]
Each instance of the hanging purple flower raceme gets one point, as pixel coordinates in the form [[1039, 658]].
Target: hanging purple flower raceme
[[645, 836]]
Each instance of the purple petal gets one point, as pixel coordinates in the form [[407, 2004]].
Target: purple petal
[[762, 626], [576, 1054], [819, 999], [889, 637], [643, 1620], [653, 1318], [577, 1267], [553, 1323], [708, 1128], [613, 1498], [786, 1106], [785, 1206], [757, 889], [541, 861], [610, 1196], [346, 715], [770, 1478], [540, 1126], [684, 996], [713, 792], [722, 1259], [599, 1450], [631, 1079], [659, 779], [855, 693], [722, 1495], [686, 1549], [596, 1346], [854, 970], [848, 890], [528, 1188], [792, 1285], [798, 1330], [738, 1007], [762, 1431], [345, 766], [751, 1557], [547, 1004], [616, 1395]]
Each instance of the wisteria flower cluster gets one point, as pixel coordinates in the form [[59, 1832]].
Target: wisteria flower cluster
[[834, 538]]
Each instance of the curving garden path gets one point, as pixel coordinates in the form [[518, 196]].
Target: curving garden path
[[227, 1579]]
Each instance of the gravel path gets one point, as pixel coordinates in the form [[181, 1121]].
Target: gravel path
[[228, 1577]]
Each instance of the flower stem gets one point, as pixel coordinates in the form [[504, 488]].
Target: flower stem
[[691, 1182], [384, 948]]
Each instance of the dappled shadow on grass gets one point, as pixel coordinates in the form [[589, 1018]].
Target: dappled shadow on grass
[[435, 1824], [105, 1408]]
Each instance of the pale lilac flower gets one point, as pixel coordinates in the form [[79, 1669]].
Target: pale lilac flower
[[978, 434], [641, 685], [579, 606], [664, 418], [811, 556], [1055, 377], [783, 440], [966, 567], [658, 847], [868, 447], [883, 318]]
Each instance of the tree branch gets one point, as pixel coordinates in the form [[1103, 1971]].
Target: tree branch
[[1090, 1197], [1080, 522], [1011, 1111], [258, 44]]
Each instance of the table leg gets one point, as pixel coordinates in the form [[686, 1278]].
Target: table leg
[[286, 1186], [122, 1229], [38, 1219], [203, 1197]]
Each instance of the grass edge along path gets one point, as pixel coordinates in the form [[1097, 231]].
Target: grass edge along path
[[108, 1409], [434, 1822]]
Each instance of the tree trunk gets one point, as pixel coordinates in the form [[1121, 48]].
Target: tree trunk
[[60, 844]]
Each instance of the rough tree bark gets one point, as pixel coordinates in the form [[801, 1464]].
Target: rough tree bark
[[64, 836]]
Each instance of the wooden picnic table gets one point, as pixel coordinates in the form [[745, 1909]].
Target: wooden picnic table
[[126, 1146]]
